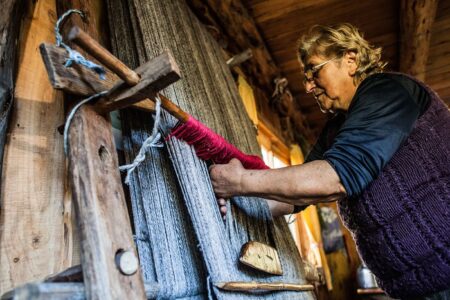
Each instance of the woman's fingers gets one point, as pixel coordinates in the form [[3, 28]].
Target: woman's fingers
[[222, 206]]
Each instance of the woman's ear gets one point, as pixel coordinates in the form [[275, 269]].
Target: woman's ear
[[350, 59]]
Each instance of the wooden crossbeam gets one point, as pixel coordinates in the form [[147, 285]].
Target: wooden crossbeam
[[155, 75]]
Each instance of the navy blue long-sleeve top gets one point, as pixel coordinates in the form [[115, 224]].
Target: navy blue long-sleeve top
[[361, 142]]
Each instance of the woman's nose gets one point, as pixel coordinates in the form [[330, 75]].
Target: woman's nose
[[309, 86]]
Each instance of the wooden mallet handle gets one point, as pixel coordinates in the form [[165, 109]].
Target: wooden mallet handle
[[91, 46]]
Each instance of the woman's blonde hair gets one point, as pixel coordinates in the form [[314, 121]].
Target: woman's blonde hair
[[335, 41]]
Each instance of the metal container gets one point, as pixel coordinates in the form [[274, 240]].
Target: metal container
[[366, 279]]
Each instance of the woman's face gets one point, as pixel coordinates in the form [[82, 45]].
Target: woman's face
[[330, 80]]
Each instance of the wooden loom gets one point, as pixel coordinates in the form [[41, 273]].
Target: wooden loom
[[92, 153]]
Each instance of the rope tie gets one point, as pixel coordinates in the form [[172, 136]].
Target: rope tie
[[72, 114], [152, 141], [75, 56]]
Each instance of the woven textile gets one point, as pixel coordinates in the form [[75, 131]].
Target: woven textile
[[182, 240]]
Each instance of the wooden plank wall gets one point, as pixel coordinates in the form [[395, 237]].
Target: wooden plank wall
[[9, 34], [36, 232], [438, 66], [282, 22]]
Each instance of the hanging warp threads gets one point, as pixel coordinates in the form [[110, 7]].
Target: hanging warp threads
[[217, 104], [167, 246]]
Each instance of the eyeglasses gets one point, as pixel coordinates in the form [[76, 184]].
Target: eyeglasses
[[312, 73]]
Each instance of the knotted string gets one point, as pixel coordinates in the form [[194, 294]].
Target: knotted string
[[75, 56], [152, 141]]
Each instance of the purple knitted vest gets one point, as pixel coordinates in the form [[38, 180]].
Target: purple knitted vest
[[401, 223]]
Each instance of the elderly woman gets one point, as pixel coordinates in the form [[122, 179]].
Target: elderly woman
[[384, 157]]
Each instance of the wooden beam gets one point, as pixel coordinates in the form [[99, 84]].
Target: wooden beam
[[102, 216], [84, 82], [67, 290], [155, 75], [259, 287], [75, 79], [11, 12], [233, 18], [240, 58], [72, 274], [416, 21], [35, 232]]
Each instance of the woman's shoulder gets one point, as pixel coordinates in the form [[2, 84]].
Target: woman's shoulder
[[388, 80], [382, 81]]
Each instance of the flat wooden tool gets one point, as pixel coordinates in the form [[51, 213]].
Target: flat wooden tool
[[253, 286], [261, 257]]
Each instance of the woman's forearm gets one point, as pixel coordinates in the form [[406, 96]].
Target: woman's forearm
[[305, 184]]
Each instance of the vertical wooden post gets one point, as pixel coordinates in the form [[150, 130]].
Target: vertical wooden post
[[101, 211], [34, 241], [416, 21], [11, 12]]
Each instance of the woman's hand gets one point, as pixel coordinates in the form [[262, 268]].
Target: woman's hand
[[276, 208], [227, 179]]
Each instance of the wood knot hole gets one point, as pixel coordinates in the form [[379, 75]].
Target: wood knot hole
[[103, 153]]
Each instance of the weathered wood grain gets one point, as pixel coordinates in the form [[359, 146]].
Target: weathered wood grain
[[62, 291], [258, 287], [79, 80], [261, 257], [91, 46], [34, 239], [416, 21], [102, 216], [75, 79], [155, 75], [11, 11], [72, 274]]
